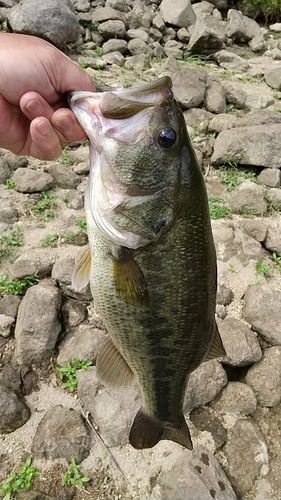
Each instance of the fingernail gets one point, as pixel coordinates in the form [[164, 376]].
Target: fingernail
[[65, 123], [44, 128], [34, 107]]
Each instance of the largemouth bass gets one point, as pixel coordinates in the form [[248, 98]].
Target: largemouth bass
[[151, 260]]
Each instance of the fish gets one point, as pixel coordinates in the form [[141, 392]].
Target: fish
[[151, 260]]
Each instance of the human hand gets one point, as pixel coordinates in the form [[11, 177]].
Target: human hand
[[34, 117]]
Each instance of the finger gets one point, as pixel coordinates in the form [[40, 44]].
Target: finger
[[67, 127], [45, 142], [33, 105]]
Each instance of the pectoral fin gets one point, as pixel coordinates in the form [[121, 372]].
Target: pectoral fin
[[112, 369], [129, 279], [217, 349], [82, 269]]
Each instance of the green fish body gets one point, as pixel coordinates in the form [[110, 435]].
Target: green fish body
[[151, 250]]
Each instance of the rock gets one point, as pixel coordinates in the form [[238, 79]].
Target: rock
[[262, 309], [63, 176], [257, 101], [257, 43], [9, 305], [117, 5], [202, 8], [197, 477], [208, 35], [222, 122], [92, 62], [14, 411], [189, 87], [139, 62], [38, 260], [235, 94], [224, 295], [276, 54], [112, 410], [138, 33], [276, 27], [255, 228], [183, 35], [62, 272], [271, 177], [158, 22], [8, 215], [204, 384], [247, 248], [221, 311], [61, 434], [265, 377], [6, 323], [32, 181], [137, 46], [215, 100], [73, 313], [231, 61], [241, 344], [235, 397], [274, 195], [223, 233], [247, 198], [115, 45], [247, 456], [180, 14], [83, 343], [205, 420], [195, 116], [272, 76], [241, 28], [37, 326], [259, 117], [174, 49], [273, 236], [48, 19], [102, 14], [113, 28], [74, 199], [256, 145]]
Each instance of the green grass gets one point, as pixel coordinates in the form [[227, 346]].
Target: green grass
[[19, 481], [217, 208], [10, 240], [66, 158], [72, 476], [231, 267], [263, 268], [16, 286], [42, 209], [69, 237], [91, 26], [270, 8], [67, 373], [81, 223], [231, 176], [10, 183], [277, 261], [48, 240]]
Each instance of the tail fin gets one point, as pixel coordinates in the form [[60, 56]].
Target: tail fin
[[147, 432]]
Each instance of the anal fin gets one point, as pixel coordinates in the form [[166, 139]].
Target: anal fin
[[112, 368], [82, 269], [129, 279], [217, 349]]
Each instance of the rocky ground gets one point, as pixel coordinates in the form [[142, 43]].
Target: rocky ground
[[226, 73]]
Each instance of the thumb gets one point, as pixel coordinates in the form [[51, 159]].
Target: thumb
[[74, 78]]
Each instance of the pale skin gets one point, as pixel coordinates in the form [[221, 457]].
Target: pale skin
[[34, 117]]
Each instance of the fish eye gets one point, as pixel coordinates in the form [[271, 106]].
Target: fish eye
[[166, 137]]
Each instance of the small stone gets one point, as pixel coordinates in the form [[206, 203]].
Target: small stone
[[215, 100], [276, 54], [31, 181], [9, 305], [6, 323], [63, 176], [273, 236], [180, 14], [272, 76], [257, 43], [221, 311], [94, 63], [139, 62], [138, 33], [14, 411], [73, 313], [204, 420], [61, 434], [137, 46], [235, 397], [113, 28], [174, 49], [265, 377], [262, 309], [276, 27], [115, 45], [241, 344], [247, 198], [38, 260], [271, 177], [255, 228], [274, 195], [114, 58], [224, 295], [204, 384], [83, 343], [235, 94], [74, 199], [231, 61]]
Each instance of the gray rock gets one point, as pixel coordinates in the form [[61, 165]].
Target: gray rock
[[276, 54], [180, 14], [189, 87], [241, 344], [223, 233], [31, 181], [115, 45], [102, 14], [114, 58], [74, 199], [73, 313], [223, 121], [215, 100], [155, 34], [273, 236], [221, 311], [63, 176], [158, 50], [61, 434], [258, 101], [14, 411], [201, 477], [241, 28], [259, 117], [202, 8], [257, 145], [183, 35], [271, 177], [146, 19], [276, 27], [83, 343], [158, 23], [265, 377], [92, 62], [9, 305], [195, 116], [231, 61], [39, 260], [83, 5], [117, 5], [62, 272], [8, 214], [235, 397], [49, 19], [262, 309], [112, 410], [235, 94], [274, 195], [255, 228], [224, 295], [247, 456], [138, 33], [257, 43], [247, 248], [272, 76], [204, 384], [139, 62], [248, 197], [208, 35], [37, 326], [6, 323], [174, 49], [204, 419], [137, 46], [113, 28]]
